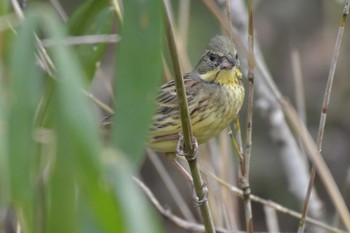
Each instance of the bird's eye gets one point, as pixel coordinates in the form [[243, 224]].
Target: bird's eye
[[213, 57]]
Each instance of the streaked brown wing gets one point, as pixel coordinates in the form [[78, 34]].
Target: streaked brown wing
[[166, 137], [166, 122]]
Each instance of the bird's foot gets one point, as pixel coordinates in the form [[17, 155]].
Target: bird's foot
[[180, 148], [200, 200]]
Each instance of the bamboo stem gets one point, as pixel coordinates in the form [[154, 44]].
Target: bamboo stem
[[189, 147]]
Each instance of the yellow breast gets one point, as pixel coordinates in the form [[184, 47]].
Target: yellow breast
[[223, 100], [219, 114]]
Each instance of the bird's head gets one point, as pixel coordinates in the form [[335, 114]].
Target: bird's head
[[220, 63]]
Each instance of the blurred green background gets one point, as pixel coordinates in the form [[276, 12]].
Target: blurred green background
[[88, 167]]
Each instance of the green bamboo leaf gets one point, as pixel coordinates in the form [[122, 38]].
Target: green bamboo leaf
[[62, 215], [77, 170], [77, 143], [137, 214], [25, 90], [137, 75], [92, 18], [4, 7], [84, 16], [5, 185]]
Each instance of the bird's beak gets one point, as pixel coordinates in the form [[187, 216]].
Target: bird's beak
[[227, 63]]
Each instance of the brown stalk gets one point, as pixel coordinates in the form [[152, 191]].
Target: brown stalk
[[323, 119], [275, 98], [273, 205], [318, 161], [169, 183], [244, 179], [189, 147]]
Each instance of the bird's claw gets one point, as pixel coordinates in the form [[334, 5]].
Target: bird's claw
[[180, 148], [204, 198]]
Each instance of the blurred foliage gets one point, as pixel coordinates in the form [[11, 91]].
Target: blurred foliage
[[138, 69], [65, 179], [61, 179], [100, 21]]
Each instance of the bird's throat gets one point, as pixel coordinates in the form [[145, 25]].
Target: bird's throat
[[228, 77]]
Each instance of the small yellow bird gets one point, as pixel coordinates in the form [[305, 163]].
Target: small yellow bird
[[215, 95]]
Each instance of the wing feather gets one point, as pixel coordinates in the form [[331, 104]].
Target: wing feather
[[166, 122]]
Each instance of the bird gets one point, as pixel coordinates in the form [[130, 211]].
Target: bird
[[215, 94]]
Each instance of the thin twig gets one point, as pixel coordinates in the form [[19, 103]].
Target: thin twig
[[238, 192], [189, 147], [18, 10], [180, 87], [346, 193], [99, 103], [118, 7], [190, 226], [46, 62], [274, 105], [238, 145], [299, 91], [273, 204], [228, 14], [244, 179], [9, 21], [237, 140], [169, 183], [271, 219], [317, 159], [43, 58], [226, 170], [57, 5], [323, 118], [184, 13], [85, 39], [316, 204], [251, 67], [268, 97], [182, 33], [298, 83], [215, 10]]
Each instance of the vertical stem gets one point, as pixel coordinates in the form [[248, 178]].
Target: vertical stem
[[179, 84], [186, 127], [244, 180], [251, 67], [324, 111], [316, 158]]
